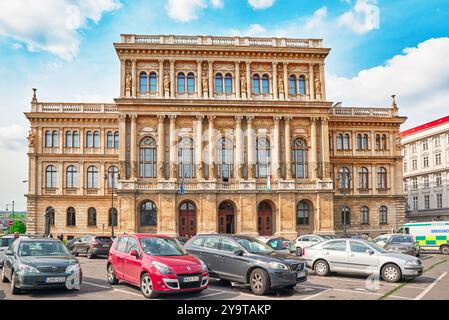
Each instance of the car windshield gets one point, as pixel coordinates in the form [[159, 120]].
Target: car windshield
[[402, 239], [6, 242], [103, 239], [254, 246], [377, 247], [42, 249], [162, 247]]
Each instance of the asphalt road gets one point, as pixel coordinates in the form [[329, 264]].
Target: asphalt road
[[432, 284]]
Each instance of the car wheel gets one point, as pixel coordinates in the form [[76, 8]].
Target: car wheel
[[89, 254], [14, 289], [75, 253], [259, 282], [391, 273], [444, 250], [111, 275], [146, 286], [321, 268], [299, 251], [4, 278]]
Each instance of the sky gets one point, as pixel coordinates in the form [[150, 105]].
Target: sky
[[64, 48]]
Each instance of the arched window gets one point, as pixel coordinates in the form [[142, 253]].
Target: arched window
[[383, 215], [302, 213], [191, 83], [340, 141], [68, 139], [92, 177], [218, 83], [96, 139], [344, 177], [181, 82], [365, 142], [116, 140], [346, 141], [153, 82], [225, 157], [345, 216], [71, 217], [76, 139], [292, 85], [55, 138], [382, 178], [143, 83], [363, 178], [186, 158], [256, 84], [364, 215], [51, 214], [148, 214], [265, 84], [302, 85], [48, 141], [92, 217], [113, 177], [228, 83], [263, 161], [110, 143], [300, 154], [148, 158], [71, 180], [113, 217], [50, 177], [89, 139]]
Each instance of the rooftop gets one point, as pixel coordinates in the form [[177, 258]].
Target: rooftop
[[425, 126]]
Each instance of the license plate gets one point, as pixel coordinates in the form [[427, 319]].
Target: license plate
[[55, 280], [105, 246], [300, 275], [191, 279]]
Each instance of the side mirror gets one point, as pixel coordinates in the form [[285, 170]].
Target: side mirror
[[9, 252], [370, 252], [238, 252], [134, 253]]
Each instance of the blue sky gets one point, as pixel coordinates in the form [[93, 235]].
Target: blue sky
[[64, 48]]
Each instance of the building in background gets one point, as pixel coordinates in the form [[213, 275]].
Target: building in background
[[215, 134], [426, 170]]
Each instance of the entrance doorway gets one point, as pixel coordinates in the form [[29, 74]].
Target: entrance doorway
[[226, 218], [187, 220], [265, 219]]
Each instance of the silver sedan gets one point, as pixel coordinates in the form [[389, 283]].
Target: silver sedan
[[358, 256]]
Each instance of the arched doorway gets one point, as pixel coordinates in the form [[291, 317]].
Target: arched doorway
[[187, 219], [265, 219], [226, 218]]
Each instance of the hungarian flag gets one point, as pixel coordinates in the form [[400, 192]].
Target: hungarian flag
[[269, 183]]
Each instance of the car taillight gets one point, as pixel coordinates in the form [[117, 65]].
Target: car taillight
[[96, 244], [285, 244], [303, 252]]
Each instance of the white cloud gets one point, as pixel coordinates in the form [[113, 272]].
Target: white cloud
[[252, 31], [261, 4], [419, 77], [12, 137], [51, 25], [189, 10], [362, 18], [217, 3]]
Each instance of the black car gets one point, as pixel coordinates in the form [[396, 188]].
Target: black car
[[40, 264], [247, 260], [92, 246]]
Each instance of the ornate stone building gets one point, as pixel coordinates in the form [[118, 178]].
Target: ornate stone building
[[215, 134]]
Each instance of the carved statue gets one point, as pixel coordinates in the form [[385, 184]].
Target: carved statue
[[31, 138], [199, 170], [240, 171], [128, 80], [205, 81], [212, 172], [317, 86], [166, 82], [251, 171], [281, 83], [243, 82], [173, 170]]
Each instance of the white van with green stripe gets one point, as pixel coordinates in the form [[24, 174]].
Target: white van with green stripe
[[429, 235]]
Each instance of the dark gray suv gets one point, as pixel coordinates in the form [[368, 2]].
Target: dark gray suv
[[247, 260]]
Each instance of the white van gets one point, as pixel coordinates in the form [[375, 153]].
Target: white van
[[432, 235]]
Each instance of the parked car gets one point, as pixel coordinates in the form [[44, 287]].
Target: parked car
[[246, 260], [306, 241], [182, 240], [279, 244], [92, 246], [5, 242], [71, 244], [40, 264], [402, 243], [155, 263], [357, 256]]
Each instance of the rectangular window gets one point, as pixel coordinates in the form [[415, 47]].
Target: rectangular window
[[415, 203], [436, 141], [405, 166], [427, 202], [438, 180], [439, 200], [405, 185], [438, 159], [426, 162], [415, 183], [426, 182], [414, 148], [425, 145], [414, 164]]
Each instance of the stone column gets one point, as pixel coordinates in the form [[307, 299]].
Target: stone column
[[133, 156], [275, 170], [325, 150], [251, 147], [248, 79], [160, 82], [199, 79], [286, 87], [211, 79], [199, 148], [238, 148], [173, 147], [288, 149], [134, 79], [275, 80], [122, 78], [313, 152], [237, 80], [172, 79], [211, 138], [160, 147], [122, 146], [311, 83], [323, 80]]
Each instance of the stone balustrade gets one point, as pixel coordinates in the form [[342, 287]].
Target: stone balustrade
[[361, 112], [74, 108]]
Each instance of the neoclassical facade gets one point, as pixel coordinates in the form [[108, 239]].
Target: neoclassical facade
[[215, 134]]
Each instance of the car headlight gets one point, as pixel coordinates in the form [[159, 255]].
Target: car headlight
[[162, 268], [27, 269], [203, 266], [278, 266], [413, 263], [73, 268]]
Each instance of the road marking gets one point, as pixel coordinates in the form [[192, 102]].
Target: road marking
[[316, 295], [96, 285], [206, 295], [430, 287], [113, 289]]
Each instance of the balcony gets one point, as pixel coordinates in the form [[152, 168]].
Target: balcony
[[74, 108], [361, 112]]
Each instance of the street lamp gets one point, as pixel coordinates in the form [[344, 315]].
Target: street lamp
[[111, 176], [345, 178], [48, 218]]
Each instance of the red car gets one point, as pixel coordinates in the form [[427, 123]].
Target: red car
[[155, 263]]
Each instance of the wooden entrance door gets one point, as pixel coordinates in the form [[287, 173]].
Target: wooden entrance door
[[226, 218], [265, 219], [187, 220]]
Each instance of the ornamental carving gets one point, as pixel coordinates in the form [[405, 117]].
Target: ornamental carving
[[243, 82], [31, 138], [205, 83], [128, 81], [166, 83], [317, 79], [281, 83]]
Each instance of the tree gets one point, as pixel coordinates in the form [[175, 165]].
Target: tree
[[18, 226]]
